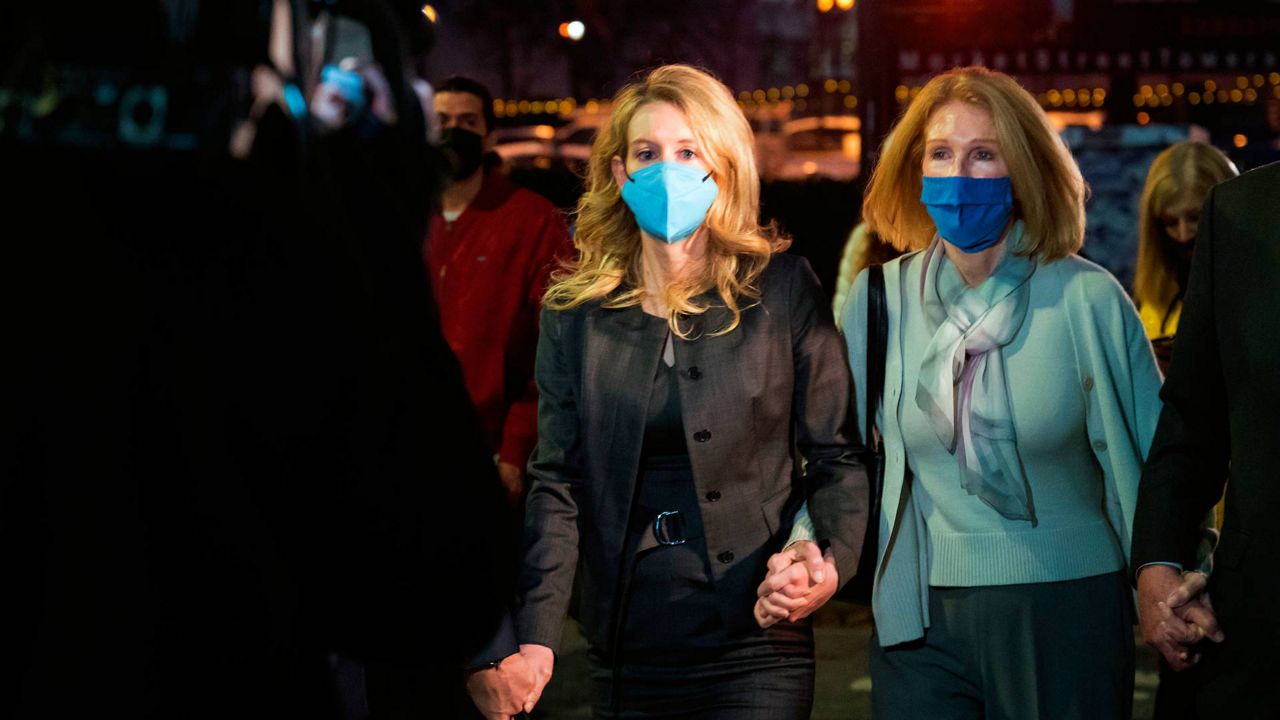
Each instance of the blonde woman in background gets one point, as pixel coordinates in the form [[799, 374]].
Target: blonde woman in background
[[1020, 398], [681, 360], [863, 249], [1168, 215]]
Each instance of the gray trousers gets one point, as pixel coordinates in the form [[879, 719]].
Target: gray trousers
[[1042, 651]]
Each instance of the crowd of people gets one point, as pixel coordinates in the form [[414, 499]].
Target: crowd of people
[[280, 468]]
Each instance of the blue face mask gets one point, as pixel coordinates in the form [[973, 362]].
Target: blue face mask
[[670, 200], [970, 213]]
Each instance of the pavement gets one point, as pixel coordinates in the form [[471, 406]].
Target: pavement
[[843, 689]]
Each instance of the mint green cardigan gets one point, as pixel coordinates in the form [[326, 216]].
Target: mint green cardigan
[[1081, 355]]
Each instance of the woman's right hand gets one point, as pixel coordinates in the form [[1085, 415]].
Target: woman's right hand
[[801, 579], [541, 660]]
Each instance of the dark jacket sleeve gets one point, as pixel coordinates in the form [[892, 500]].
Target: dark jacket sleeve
[[502, 644], [1186, 468], [826, 437], [520, 429], [551, 514]]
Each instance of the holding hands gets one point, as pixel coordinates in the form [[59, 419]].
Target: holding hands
[[1175, 613], [801, 579]]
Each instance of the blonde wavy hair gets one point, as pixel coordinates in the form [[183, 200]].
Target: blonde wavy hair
[[609, 265], [1048, 190], [1187, 168]]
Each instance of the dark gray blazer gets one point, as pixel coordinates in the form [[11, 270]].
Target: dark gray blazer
[[779, 381]]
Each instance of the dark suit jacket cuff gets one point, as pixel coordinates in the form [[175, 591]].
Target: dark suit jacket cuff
[[846, 559], [501, 645], [533, 632]]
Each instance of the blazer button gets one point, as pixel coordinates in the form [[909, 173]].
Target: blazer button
[[695, 373], [1100, 445], [702, 435], [1088, 383], [725, 557], [713, 496]]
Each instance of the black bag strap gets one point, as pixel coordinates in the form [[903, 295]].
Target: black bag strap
[[877, 345]]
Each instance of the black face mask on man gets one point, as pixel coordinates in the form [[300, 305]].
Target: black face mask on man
[[463, 150]]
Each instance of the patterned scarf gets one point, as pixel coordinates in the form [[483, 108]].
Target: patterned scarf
[[962, 387]]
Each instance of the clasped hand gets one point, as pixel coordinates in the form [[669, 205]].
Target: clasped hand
[[512, 686], [801, 579], [1176, 614]]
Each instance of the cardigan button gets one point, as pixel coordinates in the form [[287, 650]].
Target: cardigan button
[[702, 436], [1088, 383], [725, 557], [713, 496], [695, 373], [1100, 445]]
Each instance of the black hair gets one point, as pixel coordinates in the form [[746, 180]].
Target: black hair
[[460, 84]]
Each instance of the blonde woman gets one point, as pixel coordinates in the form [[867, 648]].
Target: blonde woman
[[681, 360], [1019, 401], [863, 249], [1168, 215]]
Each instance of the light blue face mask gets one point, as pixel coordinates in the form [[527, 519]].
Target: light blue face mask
[[970, 213], [670, 200]]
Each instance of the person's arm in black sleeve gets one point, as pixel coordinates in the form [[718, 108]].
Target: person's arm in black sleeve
[[835, 474], [1186, 468], [551, 512]]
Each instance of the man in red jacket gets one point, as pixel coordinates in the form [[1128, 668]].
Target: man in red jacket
[[489, 253]]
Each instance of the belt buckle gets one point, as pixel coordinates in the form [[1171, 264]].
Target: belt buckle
[[668, 529]]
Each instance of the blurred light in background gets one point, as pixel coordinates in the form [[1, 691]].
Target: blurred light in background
[[430, 13], [851, 145], [573, 30]]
